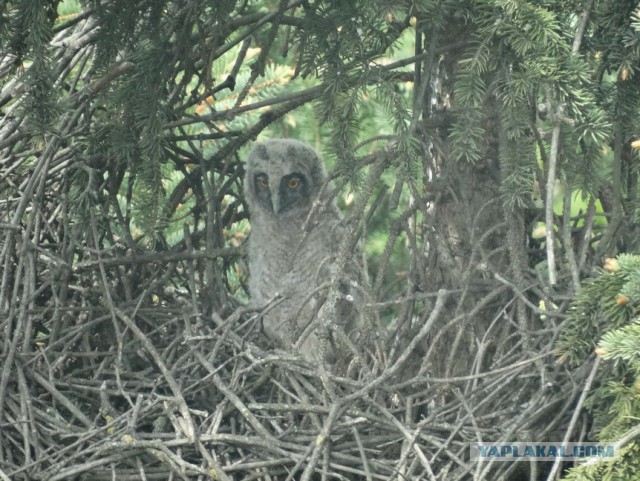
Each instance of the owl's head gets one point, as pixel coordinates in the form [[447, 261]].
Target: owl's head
[[283, 177]]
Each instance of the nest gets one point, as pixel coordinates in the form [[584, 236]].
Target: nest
[[164, 389]]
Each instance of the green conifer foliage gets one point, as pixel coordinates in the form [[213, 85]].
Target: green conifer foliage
[[606, 314]]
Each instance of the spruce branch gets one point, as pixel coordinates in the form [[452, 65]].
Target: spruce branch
[[567, 241], [607, 243], [584, 18], [557, 119], [551, 182]]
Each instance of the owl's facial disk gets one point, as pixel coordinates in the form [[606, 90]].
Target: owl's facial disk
[[292, 192]]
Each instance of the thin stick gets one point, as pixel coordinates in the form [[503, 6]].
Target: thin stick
[[576, 415]]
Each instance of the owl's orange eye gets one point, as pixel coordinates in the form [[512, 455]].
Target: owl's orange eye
[[263, 182], [294, 183]]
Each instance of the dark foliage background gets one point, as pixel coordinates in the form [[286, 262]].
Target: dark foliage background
[[483, 151]]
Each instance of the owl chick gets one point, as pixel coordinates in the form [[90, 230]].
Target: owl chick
[[288, 255]]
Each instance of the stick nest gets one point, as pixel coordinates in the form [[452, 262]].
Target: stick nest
[[163, 390]]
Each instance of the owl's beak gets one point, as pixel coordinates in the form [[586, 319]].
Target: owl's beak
[[276, 204]]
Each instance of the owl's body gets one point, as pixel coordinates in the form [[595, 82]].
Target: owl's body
[[289, 256]]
